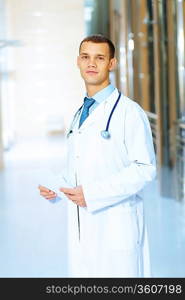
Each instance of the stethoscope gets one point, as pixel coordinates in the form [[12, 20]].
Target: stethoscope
[[104, 133]]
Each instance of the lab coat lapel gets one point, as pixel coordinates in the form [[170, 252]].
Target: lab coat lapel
[[99, 112]]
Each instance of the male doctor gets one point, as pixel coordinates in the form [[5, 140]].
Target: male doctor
[[107, 170]]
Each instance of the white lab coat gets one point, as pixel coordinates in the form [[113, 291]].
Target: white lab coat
[[113, 237]]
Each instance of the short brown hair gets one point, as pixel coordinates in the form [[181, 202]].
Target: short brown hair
[[99, 38]]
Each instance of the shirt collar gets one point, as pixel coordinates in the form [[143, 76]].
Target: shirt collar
[[103, 94]]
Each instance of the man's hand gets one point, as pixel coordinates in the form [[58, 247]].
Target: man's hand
[[75, 194], [46, 193]]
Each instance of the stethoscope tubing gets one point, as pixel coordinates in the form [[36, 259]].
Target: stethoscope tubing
[[110, 116], [104, 133]]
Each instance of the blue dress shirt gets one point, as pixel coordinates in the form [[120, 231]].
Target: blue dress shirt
[[101, 96]]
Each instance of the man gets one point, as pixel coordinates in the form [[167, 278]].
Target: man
[[110, 160]]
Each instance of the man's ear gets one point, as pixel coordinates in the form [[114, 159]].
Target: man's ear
[[112, 64]]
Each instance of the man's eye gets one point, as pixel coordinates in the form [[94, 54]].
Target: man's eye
[[84, 57], [101, 58]]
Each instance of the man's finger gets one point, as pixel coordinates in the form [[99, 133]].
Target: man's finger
[[50, 197], [69, 191], [47, 193], [72, 197], [43, 188]]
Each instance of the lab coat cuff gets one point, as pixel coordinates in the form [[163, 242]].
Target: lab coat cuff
[[55, 200], [95, 203]]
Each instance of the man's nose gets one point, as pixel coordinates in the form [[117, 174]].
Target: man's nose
[[92, 62]]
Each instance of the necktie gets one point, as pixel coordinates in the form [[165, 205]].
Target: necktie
[[85, 112]]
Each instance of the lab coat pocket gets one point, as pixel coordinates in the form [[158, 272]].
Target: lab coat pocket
[[123, 229]]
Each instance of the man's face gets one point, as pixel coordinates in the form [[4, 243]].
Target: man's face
[[95, 63]]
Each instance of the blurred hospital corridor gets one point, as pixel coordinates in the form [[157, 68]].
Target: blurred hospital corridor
[[33, 231], [41, 89]]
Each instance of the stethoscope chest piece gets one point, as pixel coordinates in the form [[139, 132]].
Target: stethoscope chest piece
[[105, 134]]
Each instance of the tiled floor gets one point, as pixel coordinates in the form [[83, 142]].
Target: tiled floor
[[33, 232]]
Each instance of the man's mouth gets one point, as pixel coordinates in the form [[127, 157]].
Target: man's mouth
[[91, 72]]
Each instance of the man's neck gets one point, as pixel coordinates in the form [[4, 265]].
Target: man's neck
[[93, 89]]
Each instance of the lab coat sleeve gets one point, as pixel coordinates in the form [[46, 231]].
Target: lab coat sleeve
[[140, 170]]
